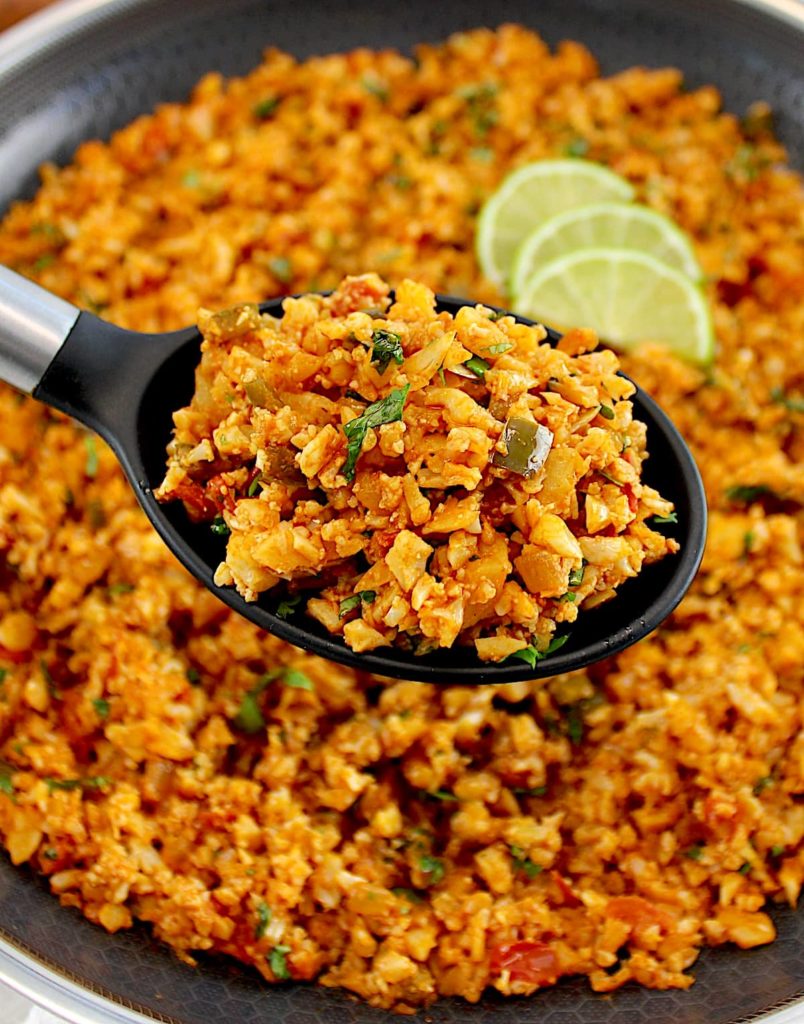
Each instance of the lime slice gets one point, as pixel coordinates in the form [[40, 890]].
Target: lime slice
[[528, 197], [605, 225], [627, 297]]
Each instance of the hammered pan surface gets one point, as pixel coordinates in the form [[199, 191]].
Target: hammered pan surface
[[104, 69]]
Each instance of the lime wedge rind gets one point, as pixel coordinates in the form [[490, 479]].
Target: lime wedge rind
[[529, 196], [605, 225], [630, 298]]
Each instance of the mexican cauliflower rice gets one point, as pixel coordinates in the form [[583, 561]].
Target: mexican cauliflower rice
[[163, 760], [442, 477]]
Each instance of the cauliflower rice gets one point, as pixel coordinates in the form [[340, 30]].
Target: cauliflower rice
[[164, 760], [451, 477]]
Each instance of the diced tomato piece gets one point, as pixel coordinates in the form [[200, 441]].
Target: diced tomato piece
[[633, 501], [199, 507], [637, 912], [15, 657], [534, 963], [570, 898]]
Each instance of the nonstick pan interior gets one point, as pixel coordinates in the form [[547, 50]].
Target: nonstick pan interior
[[94, 67]]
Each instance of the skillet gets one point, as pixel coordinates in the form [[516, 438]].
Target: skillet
[[87, 67]]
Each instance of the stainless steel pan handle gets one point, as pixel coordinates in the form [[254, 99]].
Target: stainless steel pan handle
[[34, 324]]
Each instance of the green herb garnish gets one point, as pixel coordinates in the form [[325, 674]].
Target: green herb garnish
[[191, 179], [478, 366], [575, 578], [744, 868], [440, 794], [287, 607], [606, 412], [694, 852], [407, 894], [348, 604], [671, 517], [762, 784], [92, 462], [281, 268], [219, 527], [433, 867], [249, 718], [254, 486], [746, 494], [568, 597], [101, 706], [115, 589], [90, 782], [523, 863], [277, 961], [532, 654], [480, 102], [52, 689], [264, 915], [376, 88], [387, 346], [50, 854], [6, 785], [577, 147], [777, 850], [535, 791], [791, 404], [193, 676], [386, 410], [265, 108]]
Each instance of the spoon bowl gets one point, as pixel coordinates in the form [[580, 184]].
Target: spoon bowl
[[125, 386]]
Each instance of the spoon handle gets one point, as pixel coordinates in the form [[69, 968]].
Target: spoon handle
[[34, 325]]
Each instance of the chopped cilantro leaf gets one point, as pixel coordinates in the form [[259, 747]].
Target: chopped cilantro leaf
[[762, 784], [407, 894], [90, 782], [791, 404], [376, 88], [386, 410], [569, 596], [535, 791], [115, 589], [387, 346], [281, 268], [523, 863], [287, 607], [575, 578], [532, 654], [671, 517], [6, 785], [441, 794], [694, 852], [745, 494], [219, 527], [348, 604], [277, 961], [264, 915], [433, 867], [249, 717], [101, 706], [193, 676], [265, 108], [744, 868], [577, 147], [777, 850]]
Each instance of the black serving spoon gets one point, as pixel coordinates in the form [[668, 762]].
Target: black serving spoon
[[125, 386]]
